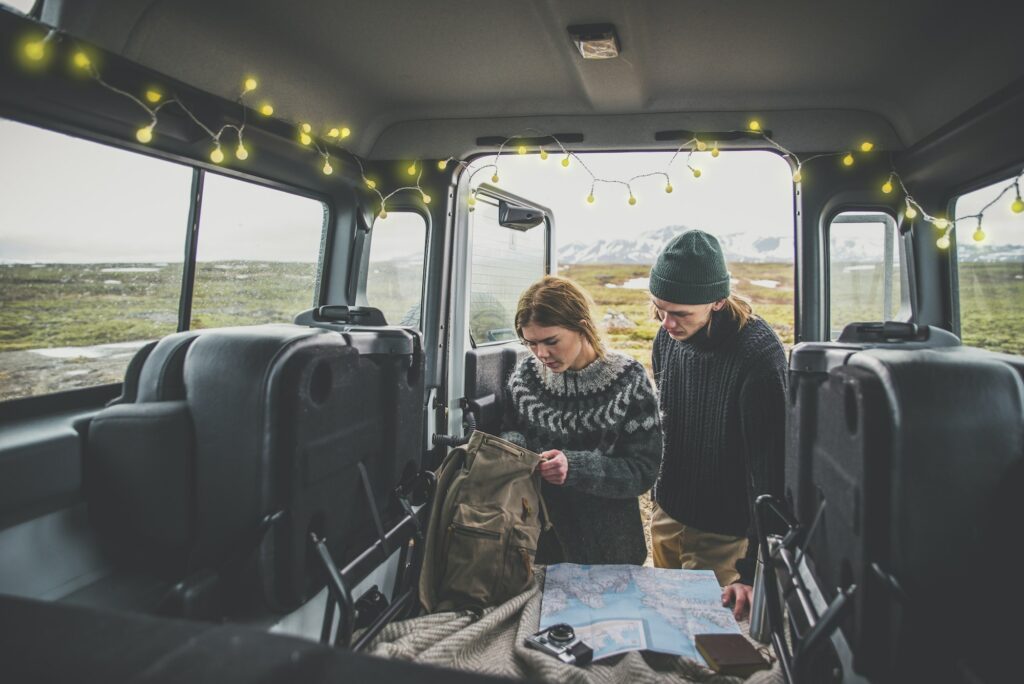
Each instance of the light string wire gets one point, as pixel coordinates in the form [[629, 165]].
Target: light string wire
[[35, 50]]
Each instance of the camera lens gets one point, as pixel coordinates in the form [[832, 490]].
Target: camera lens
[[561, 632]]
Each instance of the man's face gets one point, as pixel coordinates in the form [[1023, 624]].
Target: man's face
[[683, 321]]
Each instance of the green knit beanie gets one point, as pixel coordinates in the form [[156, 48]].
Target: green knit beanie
[[690, 270]]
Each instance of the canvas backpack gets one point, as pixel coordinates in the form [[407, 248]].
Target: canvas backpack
[[485, 520]]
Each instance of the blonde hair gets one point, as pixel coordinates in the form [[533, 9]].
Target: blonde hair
[[739, 310], [558, 301]]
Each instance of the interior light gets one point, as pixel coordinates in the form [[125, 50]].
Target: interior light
[[595, 41]]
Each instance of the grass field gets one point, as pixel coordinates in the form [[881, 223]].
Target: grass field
[[53, 316], [774, 304]]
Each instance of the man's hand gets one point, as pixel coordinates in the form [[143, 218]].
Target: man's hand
[[741, 596], [553, 466]]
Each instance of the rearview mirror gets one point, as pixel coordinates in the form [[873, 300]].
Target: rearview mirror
[[518, 218]]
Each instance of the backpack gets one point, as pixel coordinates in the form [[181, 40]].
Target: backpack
[[484, 524]]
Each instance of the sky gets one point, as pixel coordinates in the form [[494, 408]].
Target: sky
[[740, 191], [68, 200]]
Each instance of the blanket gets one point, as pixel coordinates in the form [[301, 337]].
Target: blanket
[[492, 643]]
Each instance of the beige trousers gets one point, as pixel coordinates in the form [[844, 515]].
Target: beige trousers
[[675, 545]]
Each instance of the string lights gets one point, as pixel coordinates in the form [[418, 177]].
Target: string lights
[[36, 51]]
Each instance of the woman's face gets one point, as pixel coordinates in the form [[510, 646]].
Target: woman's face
[[558, 348]]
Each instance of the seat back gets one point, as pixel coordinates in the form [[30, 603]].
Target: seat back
[[263, 447], [913, 455]]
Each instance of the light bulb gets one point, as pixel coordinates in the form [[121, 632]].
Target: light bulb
[[521, 149], [333, 133], [979, 234], [305, 139], [328, 169], [442, 165], [701, 145], [669, 188], [216, 156], [590, 198], [798, 176], [267, 109], [543, 155], [144, 134], [472, 201], [1017, 206], [383, 213], [426, 198], [911, 212], [153, 96], [494, 178], [306, 128], [241, 152], [941, 223], [867, 146], [250, 84], [632, 201], [412, 169], [35, 50], [345, 132], [371, 184], [848, 160], [714, 151], [565, 162], [754, 125], [887, 187], [81, 60], [696, 172], [942, 242]]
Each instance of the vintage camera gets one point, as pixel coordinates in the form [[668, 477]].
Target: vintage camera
[[560, 641]]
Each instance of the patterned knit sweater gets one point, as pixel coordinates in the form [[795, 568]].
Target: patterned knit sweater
[[605, 420], [723, 400]]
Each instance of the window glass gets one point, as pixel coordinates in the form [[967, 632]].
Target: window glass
[[91, 249], [257, 255], [23, 6], [505, 262], [991, 271], [394, 282], [865, 279]]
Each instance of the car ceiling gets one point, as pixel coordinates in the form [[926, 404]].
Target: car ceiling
[[425, 79]]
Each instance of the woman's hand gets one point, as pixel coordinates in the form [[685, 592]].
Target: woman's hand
[[553, 466]]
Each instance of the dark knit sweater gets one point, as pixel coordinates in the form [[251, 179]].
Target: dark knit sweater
[[722, 400], [605, 420]]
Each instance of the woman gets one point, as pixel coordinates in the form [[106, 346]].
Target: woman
[[593, 417]]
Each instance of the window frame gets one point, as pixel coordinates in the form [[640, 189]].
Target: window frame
[[862, 214], [952, 254], [492, 193], [189, 243], [365, 250]]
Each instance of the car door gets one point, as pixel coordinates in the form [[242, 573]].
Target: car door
[[502, 244]]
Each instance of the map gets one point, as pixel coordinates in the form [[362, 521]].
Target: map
[[619, 608]]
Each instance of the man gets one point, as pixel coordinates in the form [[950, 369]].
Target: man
[[721, 377]]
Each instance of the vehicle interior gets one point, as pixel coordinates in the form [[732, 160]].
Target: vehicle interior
[[237, 488]]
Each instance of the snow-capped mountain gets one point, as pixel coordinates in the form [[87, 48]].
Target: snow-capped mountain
[[754, 248], [646, 247]]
